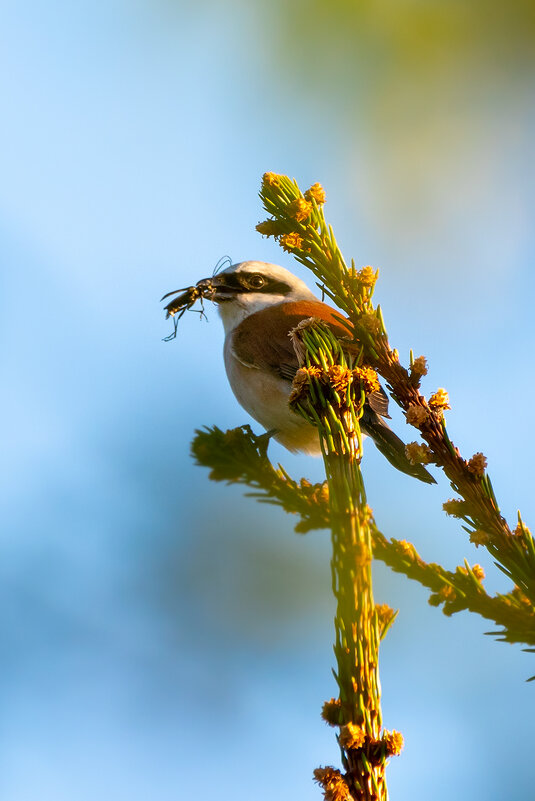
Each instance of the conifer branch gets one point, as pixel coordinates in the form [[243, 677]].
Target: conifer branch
[[239, 456]]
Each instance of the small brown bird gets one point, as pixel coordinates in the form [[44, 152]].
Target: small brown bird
[[260, 304]]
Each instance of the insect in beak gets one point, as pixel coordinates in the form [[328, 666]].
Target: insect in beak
[[189, 296]]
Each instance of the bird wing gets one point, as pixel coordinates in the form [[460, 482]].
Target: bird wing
[[378, 401], [262, 339]]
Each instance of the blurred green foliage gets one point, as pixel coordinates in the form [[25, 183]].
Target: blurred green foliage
[[428, 96]]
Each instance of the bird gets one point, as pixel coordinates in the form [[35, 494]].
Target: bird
[[259, 304]]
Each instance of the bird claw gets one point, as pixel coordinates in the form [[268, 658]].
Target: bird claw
[[263, 440]]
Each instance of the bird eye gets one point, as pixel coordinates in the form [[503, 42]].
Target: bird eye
[[256, 281]]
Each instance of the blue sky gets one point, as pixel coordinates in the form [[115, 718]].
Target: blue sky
[[162, 635]]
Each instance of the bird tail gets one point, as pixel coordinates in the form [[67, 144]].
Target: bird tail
[[392, 446]]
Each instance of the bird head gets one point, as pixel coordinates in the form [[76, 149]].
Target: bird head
[[251, 286]]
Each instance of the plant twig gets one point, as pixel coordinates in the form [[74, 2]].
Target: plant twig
[[330, 392], [239, 456]]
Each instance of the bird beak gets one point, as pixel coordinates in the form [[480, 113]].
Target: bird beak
[[219, 288]]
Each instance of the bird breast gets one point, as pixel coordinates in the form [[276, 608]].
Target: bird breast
[[265, 397]]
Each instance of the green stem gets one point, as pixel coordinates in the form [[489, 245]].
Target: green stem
[[356, 630]]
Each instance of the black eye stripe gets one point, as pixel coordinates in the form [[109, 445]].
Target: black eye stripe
[[270, 287], [231, 280]]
